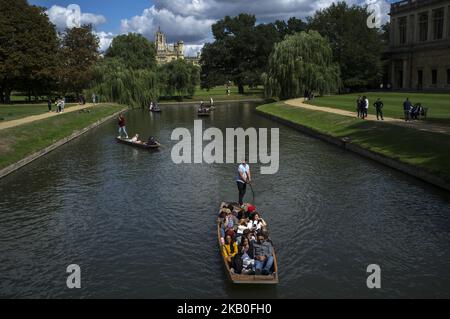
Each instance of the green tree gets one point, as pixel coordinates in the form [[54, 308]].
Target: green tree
[[178, 78], [135, 50], [293, 25], [239, 52], [301, 63], [28, 46], [114, 81], [356, 48], [78, 55]]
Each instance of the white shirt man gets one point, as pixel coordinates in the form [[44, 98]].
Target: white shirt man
[[244, 177]]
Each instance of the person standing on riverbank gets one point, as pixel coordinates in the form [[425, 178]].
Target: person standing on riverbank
[[366, 107], [49, 104], [407, 106], [358, 107], [244, 177], [122, 127], [379, 108]]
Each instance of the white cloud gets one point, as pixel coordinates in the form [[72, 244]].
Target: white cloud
[[105, 40], [192, 49], [176, 26], [71, 16]]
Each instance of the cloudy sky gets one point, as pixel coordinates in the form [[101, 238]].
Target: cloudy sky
[[187, 20]]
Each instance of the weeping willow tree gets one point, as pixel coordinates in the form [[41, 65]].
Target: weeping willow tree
[[303, 62], [115, 82]]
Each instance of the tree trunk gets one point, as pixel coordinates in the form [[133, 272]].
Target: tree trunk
[[7, 96], [2, 96], [241, 88]]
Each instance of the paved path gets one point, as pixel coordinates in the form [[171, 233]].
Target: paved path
[[33, 118], [418, 125]]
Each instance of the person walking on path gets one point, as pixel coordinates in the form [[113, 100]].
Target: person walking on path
[[358, 107], [379, 108], [49, 104], [122, 127], [407, 109], [94, 98], [244, 177]]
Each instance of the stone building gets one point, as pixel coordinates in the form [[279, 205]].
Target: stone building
[[166, 53], [419, 52]]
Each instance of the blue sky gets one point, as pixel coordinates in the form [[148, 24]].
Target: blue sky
[[187, 20], [112, 10]]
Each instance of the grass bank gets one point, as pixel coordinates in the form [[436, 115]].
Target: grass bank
[[219, 94], [438, 104], [18, 142], [16, 111], [425, 150]]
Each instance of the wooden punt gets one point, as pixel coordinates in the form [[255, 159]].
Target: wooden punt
[[142, 146], [156, 110], [248, 279], [207, 113]]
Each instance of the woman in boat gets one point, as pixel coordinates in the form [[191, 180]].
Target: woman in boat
[[229, 249], [136, 140], [243, 225], [229, 223], [257, 223], [243, 262]]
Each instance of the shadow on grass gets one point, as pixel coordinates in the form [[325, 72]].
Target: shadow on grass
[[427, 150]]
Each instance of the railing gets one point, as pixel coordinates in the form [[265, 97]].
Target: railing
[[410, 4]]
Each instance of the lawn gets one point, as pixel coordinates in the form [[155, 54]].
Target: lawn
[[430, 151], [16, 111], [438, 104], [21, 141], [219, 94]]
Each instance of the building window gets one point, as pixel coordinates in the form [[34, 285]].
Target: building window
[[420, 79], [438, 23], [448, 76], [402, 24], [423, 27], [434, 75]]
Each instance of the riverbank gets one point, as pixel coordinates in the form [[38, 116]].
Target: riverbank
[[425, 155], [23, 144]]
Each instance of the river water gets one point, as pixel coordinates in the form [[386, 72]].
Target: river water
[[140, 226]]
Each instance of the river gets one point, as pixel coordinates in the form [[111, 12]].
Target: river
[[140, 226]]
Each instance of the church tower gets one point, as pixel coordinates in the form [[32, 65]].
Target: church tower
[[160, 41]]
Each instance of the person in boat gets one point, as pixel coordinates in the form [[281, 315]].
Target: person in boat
[[229, 224], [257, 223], [247, 212], [122, 127], [151, 106], [229, 249], [136, 140], [243, 225], [250, 235], [211, 102], [263, 252], [243, 262], [244, 177], [151, 141]]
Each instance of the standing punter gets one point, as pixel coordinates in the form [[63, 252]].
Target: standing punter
[[122, 127], [244, 177]]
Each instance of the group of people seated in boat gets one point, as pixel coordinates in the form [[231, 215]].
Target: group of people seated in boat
[[151, 140], [154, 107], [204, 108], [245, 240]]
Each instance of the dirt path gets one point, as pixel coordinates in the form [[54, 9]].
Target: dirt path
[[33, 118], [418, 125]]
